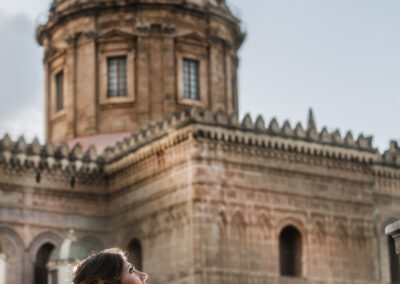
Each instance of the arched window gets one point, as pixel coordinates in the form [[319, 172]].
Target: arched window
[[394, 262], [135, 254], [290, 249], [42, 258], [2, 264]]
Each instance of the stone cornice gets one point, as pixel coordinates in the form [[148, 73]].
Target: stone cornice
[[60, 10]]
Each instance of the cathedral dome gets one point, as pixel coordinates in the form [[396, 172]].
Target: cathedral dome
[[116, 66]]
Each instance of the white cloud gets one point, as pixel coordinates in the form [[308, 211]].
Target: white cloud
[[32, 8], [28, 122], [21, 77]]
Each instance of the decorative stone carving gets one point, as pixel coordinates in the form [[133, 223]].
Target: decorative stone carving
[[247, 122], [349, 140], [143, 28], [337, 138], [299, 131], [274, 126], [71, 39], [91, 34], [168, 28], [287, 129], [325, 136], [311, 121], [221, 118], [260, 124]]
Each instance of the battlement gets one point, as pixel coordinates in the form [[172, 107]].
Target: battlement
[[207, 125], [48, 156]]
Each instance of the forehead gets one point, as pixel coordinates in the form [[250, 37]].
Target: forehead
[[127, 265]]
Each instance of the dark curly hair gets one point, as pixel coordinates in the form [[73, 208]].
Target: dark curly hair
[[102, 267]]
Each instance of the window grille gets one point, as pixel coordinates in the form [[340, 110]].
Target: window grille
[[116, 67], [59, 91], [191, 79]]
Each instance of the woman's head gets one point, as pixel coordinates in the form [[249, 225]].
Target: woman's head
[[109, 266]]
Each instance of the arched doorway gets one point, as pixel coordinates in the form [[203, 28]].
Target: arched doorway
[[290, 252], [394, 262], [40, 267], [135, 254]]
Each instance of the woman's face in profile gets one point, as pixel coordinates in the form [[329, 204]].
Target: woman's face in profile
[[132, 276]]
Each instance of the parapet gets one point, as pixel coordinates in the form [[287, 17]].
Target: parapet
[[48, 156], [299, 139]]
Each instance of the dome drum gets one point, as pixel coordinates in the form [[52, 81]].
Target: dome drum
[[114, 70]]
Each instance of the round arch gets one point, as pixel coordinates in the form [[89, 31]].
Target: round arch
[[13, 249], [39, 253], [298, 224], [41, 239]]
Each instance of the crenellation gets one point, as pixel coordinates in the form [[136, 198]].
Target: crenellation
[[364, 142], [287, 129], [337, 137], [299, 131], [324, 136], [247, 122], [260, 123], [274, 126], [349, 140], [313, 135]]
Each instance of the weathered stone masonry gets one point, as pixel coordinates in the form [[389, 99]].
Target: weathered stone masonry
[[194, 194], [208, 198]]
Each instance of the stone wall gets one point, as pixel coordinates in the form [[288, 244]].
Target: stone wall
[[207, 197], [243, 198]]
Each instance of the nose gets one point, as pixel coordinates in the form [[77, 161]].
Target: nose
[[143, 276]]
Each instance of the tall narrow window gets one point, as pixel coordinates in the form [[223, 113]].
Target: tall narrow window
[[191, 79], [394, 262], [135, 254], [290, 252], [116, 67], [59, 91]]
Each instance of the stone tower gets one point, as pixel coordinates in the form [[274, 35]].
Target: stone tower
[[116, 66]]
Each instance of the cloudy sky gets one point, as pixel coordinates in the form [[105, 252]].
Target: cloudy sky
[[339, 57]]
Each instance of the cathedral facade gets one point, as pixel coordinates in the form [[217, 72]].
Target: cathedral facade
[[144, 151]]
